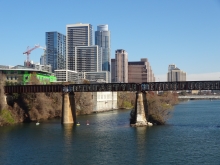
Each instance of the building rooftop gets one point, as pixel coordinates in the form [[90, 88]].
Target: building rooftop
[[20, 68]]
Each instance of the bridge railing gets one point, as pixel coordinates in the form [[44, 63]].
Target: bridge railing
[[33, 88], [181, 85], [199, 97], [148, 86]]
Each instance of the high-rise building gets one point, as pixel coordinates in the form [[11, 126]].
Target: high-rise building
[[121, 66], [55, 50], [113, 70], [102, 39], [101, 77], [175, 74], [77, 35], [140, 71], [171, 67], [43, 60], [66, 76], [88, 59]]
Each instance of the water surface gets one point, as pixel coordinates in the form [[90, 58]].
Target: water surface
[[191, 136]]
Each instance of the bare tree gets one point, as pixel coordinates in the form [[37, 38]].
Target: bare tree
[[2, 95], [160, 107], [126, 99], [84, 101]]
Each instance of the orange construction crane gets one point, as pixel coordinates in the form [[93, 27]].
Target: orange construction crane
[[28, 52]]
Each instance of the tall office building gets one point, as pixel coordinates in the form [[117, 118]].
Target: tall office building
[[140, 71], [55, 50], [113, 70], [121, 66], [77, 35], [171, 67], [43, 60], [88, 58], [102, 39], [175, 74]]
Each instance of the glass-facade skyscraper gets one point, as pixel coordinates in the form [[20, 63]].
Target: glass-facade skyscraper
[[88, 58], [77, 35], [102, 39], [55, 50]]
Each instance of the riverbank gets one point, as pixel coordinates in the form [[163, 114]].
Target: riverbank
[[42, 106]]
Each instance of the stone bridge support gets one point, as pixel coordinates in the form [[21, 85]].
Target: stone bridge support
[[68, 108], [141, 110], [3, 102]]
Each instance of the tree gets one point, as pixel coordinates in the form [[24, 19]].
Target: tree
[[126, 99], [2, 95], [36, 106], [160, 107], [84, 101]]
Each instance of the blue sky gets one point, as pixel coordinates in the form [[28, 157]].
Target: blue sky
[[183, 32]]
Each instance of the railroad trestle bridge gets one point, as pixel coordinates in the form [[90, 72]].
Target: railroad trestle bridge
[[68, 104]]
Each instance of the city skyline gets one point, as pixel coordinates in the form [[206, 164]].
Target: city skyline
[[184, 33]]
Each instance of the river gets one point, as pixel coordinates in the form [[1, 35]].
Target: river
[[191, 136]]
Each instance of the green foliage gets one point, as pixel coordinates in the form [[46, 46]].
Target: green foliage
[[8, 83], [15, 96], [7, 117], [127, 105], [183, 93], [126, 99]]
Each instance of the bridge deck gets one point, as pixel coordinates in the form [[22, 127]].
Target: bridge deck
[[199, 97], [33, 88], [151, 86]]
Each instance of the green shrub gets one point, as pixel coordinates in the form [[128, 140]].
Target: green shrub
[[127, 104], [7, 117]]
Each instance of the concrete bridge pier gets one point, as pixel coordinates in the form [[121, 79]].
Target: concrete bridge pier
[[141, 109], [68, 108], [3, 103]]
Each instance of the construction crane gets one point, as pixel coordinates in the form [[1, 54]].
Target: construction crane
[[28, 52], [44, 56], [44, 48]]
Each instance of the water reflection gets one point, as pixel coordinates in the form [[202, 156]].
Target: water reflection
[[68, 133], [141, 144]]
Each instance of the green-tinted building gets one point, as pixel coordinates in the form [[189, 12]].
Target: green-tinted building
[[23, 75]]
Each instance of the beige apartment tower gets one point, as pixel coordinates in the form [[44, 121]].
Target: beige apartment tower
[[140, 71], [121, 66], [175, 74]]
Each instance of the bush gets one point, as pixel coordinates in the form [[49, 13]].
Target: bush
[[7, 117], [126, 99], [160, 107], [127, 105]]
